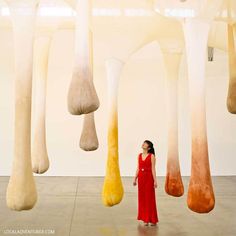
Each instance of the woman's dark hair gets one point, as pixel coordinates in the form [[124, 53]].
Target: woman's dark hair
[[150, 145]]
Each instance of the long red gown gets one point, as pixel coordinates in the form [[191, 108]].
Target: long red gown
[[147, 210]]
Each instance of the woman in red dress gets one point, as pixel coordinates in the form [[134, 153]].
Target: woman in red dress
[[147, 182]]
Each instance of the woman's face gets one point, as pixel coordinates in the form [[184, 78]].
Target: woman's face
[[145, 146]]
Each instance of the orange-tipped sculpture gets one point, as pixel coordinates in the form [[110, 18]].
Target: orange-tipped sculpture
[[200, 197], [173, 182]]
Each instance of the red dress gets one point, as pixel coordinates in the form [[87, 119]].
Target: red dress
[[147, 211]]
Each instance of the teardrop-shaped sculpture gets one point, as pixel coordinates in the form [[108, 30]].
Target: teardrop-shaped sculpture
[[113, 191], [173, 182], [82, 97], [231, 97]]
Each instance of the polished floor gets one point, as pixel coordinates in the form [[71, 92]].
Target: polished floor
[[72, 206]]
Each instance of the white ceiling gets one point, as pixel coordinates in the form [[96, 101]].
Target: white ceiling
[[121, 27]]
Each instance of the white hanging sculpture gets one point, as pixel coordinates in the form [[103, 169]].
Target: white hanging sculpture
[[113, 191], [43, 38], [21, 190], [172, 56], [82, 97], [88, 138], [39, 155]]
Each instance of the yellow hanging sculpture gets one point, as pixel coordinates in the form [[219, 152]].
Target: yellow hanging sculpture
[[113, 191], [231, 98], [21, 190]]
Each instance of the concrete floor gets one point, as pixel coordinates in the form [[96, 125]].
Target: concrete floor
[[72, 206]]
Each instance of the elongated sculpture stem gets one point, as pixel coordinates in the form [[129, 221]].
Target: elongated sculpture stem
[[82, 97], [39, 153], [200, 192], [231, 98], [21, 190], [173, 183], [112, 188]]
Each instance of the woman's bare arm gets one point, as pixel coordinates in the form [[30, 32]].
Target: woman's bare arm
[[153, 160], [137, 170]]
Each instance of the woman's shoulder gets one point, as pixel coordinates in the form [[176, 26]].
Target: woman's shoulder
[[152, 155]]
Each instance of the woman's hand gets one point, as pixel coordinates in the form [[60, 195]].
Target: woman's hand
[[155, 184], [135, 182]]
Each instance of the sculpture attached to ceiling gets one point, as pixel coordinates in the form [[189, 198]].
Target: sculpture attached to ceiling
[[82, 96], [172, 54], [231, 98], [83, 100], [21, 190]]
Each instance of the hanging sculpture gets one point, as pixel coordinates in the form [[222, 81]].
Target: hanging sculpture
[[113, 191], [231, 98], [88, 138], [82, 97], [173, 182], [39, 155], [21, 190], [200, 197], [43, 35], [196, 25]]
